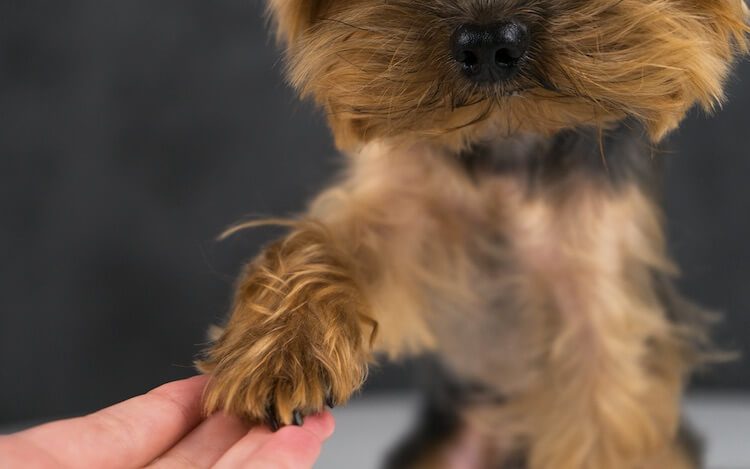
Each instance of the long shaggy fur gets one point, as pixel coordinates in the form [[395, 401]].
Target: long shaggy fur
[[294, 340], [511, 230], [375, 69]]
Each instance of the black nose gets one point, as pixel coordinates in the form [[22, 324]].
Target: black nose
[[492, 52]]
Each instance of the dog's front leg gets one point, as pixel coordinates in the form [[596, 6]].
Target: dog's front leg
[[295, 339], [307, 309], [609, 395]]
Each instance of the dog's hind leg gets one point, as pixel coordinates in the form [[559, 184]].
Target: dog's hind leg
[[685, 453], [445, 437]]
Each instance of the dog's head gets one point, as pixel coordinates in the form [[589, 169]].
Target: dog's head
[[455, 70]]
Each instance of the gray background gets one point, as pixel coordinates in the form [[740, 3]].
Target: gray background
[[132, 132]]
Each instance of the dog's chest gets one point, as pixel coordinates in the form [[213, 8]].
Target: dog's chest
[[549, 230], [494, 329]]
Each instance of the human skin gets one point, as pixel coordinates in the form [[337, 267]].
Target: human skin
[[165, 428]]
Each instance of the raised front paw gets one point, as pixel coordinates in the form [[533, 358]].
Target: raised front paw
[[280, 371], [295, 340]]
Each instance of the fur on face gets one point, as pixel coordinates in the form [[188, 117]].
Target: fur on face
[[483, 223], [383, 69]]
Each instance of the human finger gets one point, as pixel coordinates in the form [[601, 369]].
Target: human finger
[[132, 433], [204, 445], [291, 447]]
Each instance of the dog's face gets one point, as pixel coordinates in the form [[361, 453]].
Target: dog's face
[[457, 70]]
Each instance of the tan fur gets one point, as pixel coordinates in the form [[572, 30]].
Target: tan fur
[[294, 338], [672, 458], [375, 69], [409, 253], [595, 404], [383, 219]]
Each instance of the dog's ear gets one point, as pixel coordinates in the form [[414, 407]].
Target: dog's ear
[[726, 25], [728, 22], [720, 30], [293, 17]]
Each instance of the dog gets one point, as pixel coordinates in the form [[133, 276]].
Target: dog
[[499, 211]]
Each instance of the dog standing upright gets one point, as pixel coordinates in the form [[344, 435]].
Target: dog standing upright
[[498, 211]]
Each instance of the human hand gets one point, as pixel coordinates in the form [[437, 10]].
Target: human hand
[[165, 429]]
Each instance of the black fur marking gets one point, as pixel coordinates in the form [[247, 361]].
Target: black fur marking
[[516, 461], [462, 393], [440, 420], [437, 426], [692, 444], [618, 156]]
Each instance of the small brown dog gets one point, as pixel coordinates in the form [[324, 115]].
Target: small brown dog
[[498, 212]]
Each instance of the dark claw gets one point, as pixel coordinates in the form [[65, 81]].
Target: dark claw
[[273, 420], [330, 402], [297, 418]]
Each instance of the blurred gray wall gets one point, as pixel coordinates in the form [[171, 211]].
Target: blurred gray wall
[[132, 132]]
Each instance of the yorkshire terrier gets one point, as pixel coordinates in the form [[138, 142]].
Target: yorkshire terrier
[[499, 211]]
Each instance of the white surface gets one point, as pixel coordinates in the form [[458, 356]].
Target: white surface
[[724, 421], [368, 428]]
